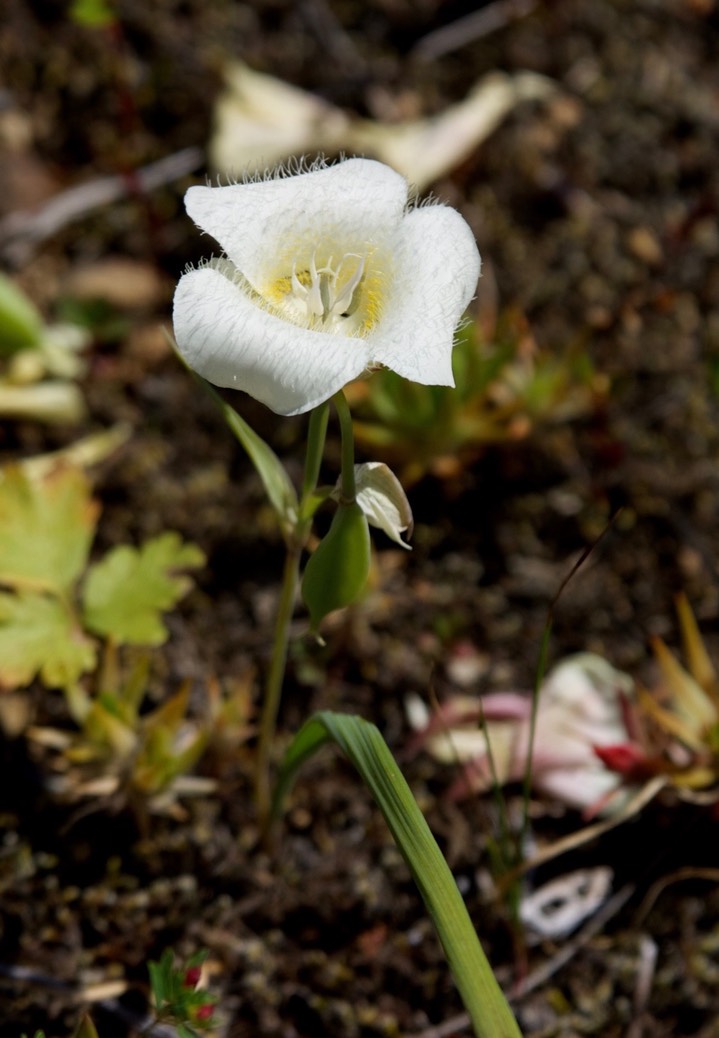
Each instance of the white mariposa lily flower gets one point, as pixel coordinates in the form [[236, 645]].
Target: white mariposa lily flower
[[326, 273]]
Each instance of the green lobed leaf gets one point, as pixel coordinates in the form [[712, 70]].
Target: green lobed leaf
[[38, 635], [364, 746], [46, 528], [126, 592]]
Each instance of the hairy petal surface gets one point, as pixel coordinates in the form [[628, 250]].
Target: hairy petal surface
[[326, 273], [262, 223], [232, 342], [437, 267]]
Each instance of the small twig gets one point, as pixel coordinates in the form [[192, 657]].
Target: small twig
[[21, 232], [658, 888], [638, 802], [470, 28]]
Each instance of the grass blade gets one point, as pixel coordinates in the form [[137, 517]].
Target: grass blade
[[366, 749]]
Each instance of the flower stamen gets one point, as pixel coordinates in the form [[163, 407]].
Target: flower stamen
[[321, 293]]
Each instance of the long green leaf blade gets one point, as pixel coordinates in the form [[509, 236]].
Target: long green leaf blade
[[364, 746], [278, 486]]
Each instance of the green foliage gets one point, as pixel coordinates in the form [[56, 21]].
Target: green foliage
[[169, 746], [176, 996], [177, 999], [366, 749], [51, 600], [278, 486], [98, 317], [20, 323], [336, 573], [504, 389], [39, 635], [46, 529], [64, 621], [94, 14], [127, 751], [127, 591], [86, 1028], [38, 363]]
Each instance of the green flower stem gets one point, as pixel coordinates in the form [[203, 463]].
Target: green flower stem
[[349, 490], [315, 449], [288, 594]]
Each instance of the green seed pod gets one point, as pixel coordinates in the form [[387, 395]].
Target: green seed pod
[[336, 574]]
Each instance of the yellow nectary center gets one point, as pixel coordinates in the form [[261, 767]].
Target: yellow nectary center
[[331, 296]]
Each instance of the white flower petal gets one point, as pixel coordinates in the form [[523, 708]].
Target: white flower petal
[[263, 223], [327, 273], [580, 787], [232, 342], [437, 266], [383, 501]]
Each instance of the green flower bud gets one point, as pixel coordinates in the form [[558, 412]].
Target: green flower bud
[[336, 574]]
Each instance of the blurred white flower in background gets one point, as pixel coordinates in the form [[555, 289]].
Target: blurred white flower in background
[[327, 273], [582, 708]]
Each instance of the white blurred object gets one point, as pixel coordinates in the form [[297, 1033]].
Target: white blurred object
[[557, 908], [581, 706], [260, 121]]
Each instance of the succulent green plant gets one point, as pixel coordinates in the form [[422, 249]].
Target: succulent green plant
[[505, 387]]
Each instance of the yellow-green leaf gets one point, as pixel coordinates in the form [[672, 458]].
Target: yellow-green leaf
[[46, 528], [85, 1029], [20, 322], [94, 14], [126, 592], [38, 635]]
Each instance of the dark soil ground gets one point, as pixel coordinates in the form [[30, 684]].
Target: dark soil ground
[[596, 215]]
